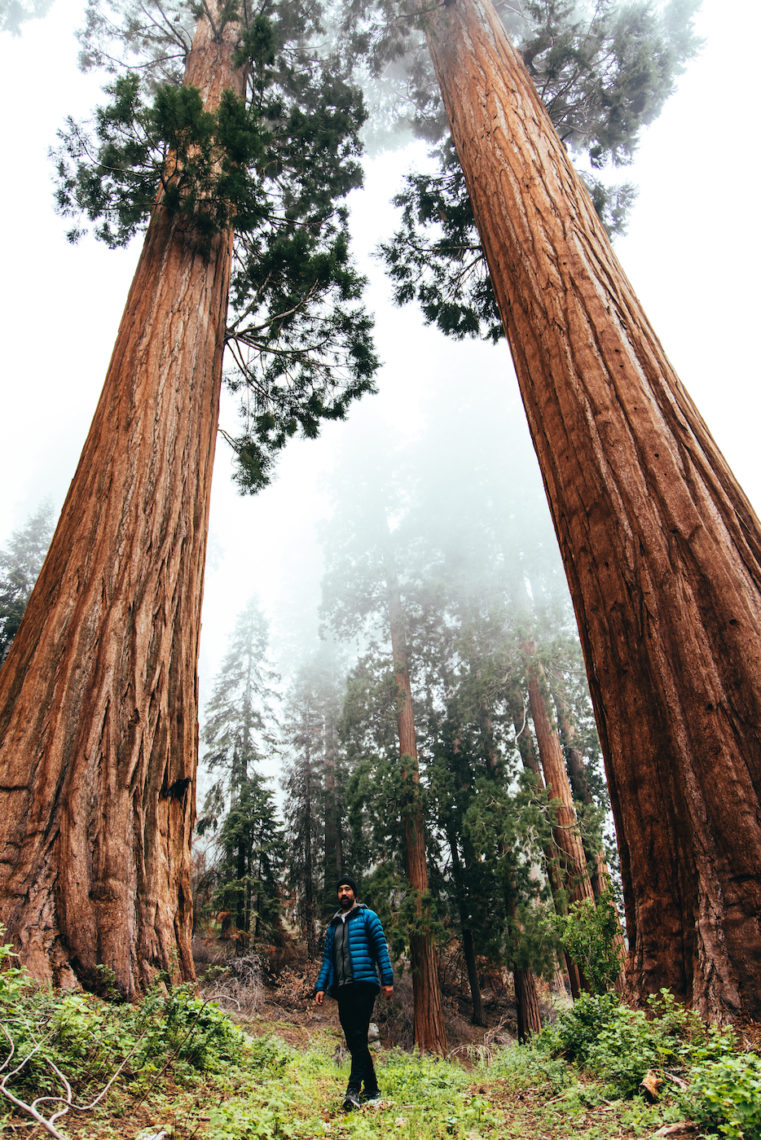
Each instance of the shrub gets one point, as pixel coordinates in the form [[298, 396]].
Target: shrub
[[578, 1028], [589, 933], [725, 1095]]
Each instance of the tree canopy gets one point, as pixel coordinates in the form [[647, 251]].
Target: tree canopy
[[277, 165], [603, 71]]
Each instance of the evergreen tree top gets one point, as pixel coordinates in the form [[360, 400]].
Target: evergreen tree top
[[276, 164], [603, 69]]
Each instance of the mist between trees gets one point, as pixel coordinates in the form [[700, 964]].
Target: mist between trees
[[438, 551], [442, 741]]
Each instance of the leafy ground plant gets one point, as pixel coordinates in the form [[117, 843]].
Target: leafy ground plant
[[176, 1064]]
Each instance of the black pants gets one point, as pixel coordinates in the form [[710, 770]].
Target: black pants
[[355, 1008]]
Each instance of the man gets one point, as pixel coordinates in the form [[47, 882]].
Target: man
[[355, 954]]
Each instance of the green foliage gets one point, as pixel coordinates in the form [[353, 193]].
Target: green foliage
[[183, 1058], [604, 72], [577, 1028], [275, 165], [619, 1045], [199, 161], [725, 1096], [589, 932], [436, 258], [90, 1041]]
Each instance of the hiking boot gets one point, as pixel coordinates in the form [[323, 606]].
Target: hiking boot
[[351, 1100], [372, 1096]]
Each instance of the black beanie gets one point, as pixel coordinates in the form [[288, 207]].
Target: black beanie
[[349, 883]]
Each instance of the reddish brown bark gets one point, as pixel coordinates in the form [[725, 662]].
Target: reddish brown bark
[[577, 775], [526, 1003], [429, 1032], [600, 874], [568, 975], [98, 697], [568, 855], [661, 548], [565, 827]]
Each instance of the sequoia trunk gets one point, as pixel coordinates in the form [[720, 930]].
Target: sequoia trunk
[[98, 697], [661, 548]]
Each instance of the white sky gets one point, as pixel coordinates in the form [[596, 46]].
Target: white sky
[[692, 254]]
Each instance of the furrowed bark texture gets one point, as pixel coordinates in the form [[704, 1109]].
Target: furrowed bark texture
[[661, 548], [98, 698], [428, 1016]]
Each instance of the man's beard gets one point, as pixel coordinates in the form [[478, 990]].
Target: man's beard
[[345, 904]]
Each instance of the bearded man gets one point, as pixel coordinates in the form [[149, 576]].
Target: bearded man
[[355, 966]]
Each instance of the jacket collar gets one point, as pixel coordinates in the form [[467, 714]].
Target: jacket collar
[[340, 915]]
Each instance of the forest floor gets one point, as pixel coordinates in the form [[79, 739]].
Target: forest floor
[[288, 1080]]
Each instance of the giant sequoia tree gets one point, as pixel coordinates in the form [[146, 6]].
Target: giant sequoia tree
[[661, 548], [230, 119]]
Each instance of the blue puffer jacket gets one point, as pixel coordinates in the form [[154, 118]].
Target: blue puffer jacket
[[367, 950]]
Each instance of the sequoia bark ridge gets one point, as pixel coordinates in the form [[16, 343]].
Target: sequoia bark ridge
[[98, 697], [661, 548]]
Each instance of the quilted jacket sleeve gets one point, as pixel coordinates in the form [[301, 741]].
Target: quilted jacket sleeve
[[377, 940], [325, 977]]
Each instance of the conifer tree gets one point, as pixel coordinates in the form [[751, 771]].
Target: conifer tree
[[239, 732], [20, 563], [251, 853], [222, 120], [304, 807]]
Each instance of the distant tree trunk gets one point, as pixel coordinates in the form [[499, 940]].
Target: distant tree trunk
[[98, 697], [565, 830], [661, 548], [524, 980], [600, 874], [526, 1003], [333, 839], [582, 793], [531, 763], [569, 849], [429, 1032], [309, 901], [468, 942]]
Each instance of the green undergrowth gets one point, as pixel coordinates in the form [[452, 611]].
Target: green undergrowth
[[181, 1066]]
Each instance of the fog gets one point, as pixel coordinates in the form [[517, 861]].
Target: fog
[[691, 254]]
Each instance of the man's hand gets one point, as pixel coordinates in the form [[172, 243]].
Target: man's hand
[[319, 996], [387, 991]]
